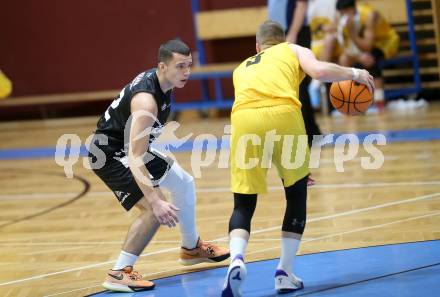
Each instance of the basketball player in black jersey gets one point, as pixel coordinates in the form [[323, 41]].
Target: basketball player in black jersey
[[136, 173]]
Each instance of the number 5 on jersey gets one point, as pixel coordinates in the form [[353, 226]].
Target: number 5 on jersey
[[257, 59]]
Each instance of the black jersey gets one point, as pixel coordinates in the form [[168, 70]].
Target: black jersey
[[114, 121]]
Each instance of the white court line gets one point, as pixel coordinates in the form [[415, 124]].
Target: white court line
[[55, 243], [149, 275], [53, 251], [86, 244], [222, 190], [254, 232], [277, 247], [352, 231], [373, 227], [35, 196], [75, 290], [341, 160], [350, 212], [225, 237], [375, 185], [81, 268], [18, 243], [338, 186], [386, 158]]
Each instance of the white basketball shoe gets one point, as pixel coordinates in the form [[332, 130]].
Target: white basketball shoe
[[235, 277], [285, 283]]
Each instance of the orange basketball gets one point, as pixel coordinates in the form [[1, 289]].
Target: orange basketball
[[350, 97]]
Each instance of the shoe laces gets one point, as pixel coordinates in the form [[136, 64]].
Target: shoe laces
[[208, 248], [135, 276], [132, 274]]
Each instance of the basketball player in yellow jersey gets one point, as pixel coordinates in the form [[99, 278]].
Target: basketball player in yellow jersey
[[267, 127], [367, 39]]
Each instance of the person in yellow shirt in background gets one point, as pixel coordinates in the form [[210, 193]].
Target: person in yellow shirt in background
[[367, 39], [268, 127], [322, 17], [5, 86]]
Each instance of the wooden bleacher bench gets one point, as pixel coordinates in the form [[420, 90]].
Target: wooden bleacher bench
[[426, 46], [60, 98], [208, 69], [229, 23], [244, 22], [213, 25], [400, 14]]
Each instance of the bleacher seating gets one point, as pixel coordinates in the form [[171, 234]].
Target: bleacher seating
[[417, 57]]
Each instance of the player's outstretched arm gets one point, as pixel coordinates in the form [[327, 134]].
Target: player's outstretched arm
[[330, 72]]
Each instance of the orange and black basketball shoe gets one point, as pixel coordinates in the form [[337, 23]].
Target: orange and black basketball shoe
[[203, 252], [126, 280]]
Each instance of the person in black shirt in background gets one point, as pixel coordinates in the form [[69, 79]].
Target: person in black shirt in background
[[293, 18], [135, 172]]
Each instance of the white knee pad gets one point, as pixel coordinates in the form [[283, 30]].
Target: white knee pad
[[181, 186], [183, 195], [379, 95]]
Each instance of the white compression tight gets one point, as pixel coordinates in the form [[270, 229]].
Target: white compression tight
[[183, 195]]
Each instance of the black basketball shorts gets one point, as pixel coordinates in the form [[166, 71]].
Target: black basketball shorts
[[118, 177]]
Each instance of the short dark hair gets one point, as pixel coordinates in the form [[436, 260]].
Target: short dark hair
[[343, 4], [270, 33], [167, 49]]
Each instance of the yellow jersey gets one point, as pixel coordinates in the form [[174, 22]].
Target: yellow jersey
[[320, 13], [386, 38], [5, 86], [269, 78]]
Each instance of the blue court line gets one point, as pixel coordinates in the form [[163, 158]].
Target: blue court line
[[391, 136], [398, 270]]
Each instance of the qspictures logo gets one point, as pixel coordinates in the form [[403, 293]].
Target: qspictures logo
[[291, 151]]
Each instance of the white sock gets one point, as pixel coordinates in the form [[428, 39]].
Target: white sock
[[125, 259], [379, 95], [237, 246], [183, 196], [289, 247]]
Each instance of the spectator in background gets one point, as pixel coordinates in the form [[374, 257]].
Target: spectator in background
[[291, 14], [321, 15], [367, 39], [5, 85]]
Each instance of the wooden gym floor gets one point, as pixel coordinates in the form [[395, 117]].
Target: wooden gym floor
[[58, 236]]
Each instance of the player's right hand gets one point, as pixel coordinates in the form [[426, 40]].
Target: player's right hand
[[364, 77], [165, 212]]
